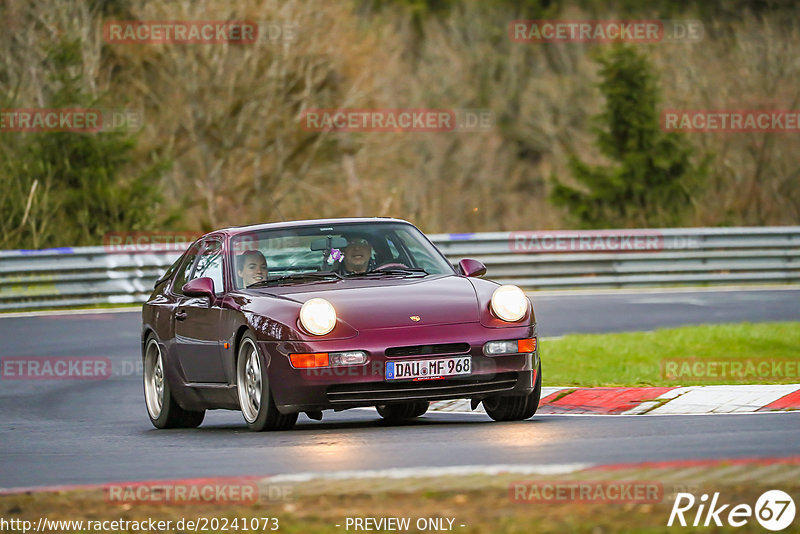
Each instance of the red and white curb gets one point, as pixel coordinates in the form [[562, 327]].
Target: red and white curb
[[673, 400]]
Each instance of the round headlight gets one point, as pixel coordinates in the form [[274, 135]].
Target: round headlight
[[509, 303], [318, 316]]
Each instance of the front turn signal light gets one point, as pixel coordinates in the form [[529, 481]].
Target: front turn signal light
[[308, 361]]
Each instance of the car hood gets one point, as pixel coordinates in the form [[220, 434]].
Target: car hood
[[393, 302]]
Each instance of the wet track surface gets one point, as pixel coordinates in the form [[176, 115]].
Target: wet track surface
[[72, 432]]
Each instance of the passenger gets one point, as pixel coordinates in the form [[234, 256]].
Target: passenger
[[251, 266], [357, 255]]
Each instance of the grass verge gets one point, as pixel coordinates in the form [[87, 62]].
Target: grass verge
[[666, 357], [475, 504]]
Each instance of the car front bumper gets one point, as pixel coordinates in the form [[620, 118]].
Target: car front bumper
[[297, 390]]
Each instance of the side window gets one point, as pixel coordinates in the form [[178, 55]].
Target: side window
[[183, 272], [419, 256], [170, 272], [210, 264]]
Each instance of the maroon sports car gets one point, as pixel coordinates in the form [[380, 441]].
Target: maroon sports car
[[305, 316]]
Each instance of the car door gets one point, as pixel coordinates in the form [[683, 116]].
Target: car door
[[197, 320]]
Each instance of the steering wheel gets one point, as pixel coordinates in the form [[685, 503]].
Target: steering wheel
[[392, 265]]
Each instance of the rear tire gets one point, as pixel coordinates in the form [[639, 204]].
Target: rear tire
[[515, 408], [402, 411], [255, 399], [162, 409]]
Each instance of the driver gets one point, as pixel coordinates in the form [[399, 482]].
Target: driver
[[251, 266], [357, 255]]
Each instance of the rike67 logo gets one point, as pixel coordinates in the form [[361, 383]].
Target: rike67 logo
[[774, 510]]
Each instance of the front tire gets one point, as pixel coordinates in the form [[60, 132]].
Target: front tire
[[402, 411], [162, 409], [255, 400], [515, 408]]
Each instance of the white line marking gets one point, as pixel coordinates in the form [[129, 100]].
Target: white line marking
[[658, 290], [428, 472], [92, 311]]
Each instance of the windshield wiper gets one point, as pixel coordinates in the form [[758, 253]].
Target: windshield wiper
[[394, 271], [298, 277]]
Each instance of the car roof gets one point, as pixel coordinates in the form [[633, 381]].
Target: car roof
[[236, 230]]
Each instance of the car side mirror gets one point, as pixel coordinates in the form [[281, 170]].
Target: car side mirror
[[470, 267], [199, 287]]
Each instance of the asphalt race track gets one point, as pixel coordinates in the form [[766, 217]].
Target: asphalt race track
[[76, 432]]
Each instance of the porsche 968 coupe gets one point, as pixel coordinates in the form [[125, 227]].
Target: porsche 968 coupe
[[305, 316]]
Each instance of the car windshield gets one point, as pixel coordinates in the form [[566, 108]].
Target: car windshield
[[332, 252]]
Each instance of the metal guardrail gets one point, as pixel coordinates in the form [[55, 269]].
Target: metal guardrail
[[67, 277]]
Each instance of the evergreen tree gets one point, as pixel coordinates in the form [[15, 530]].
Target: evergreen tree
[[71, 188], [651, 179]]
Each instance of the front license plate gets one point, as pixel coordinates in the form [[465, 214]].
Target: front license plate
[[427, 369]]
